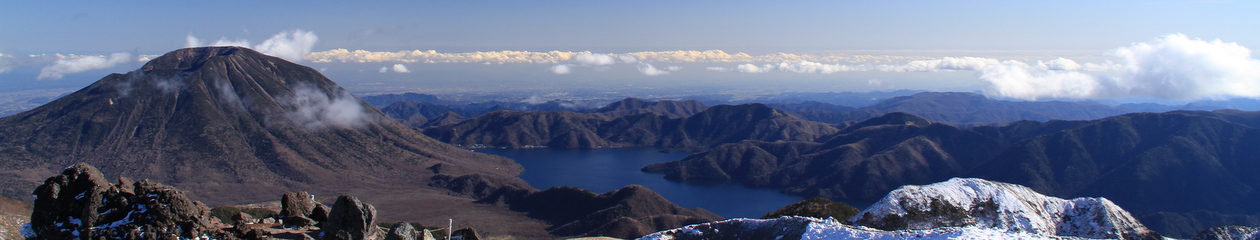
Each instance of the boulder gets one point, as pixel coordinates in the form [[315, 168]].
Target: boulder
[[466, 234], [244, 218], [401, 231], [425, 234], [296, 209], [351, 219], [320, 213]]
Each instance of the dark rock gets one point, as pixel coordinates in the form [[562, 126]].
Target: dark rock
[[351, 219], [320, 212], [1232, 232], [79, 203], [297, 208], [466, 234], [244, 218], [401, 231], [426, 235], [296, 204], [816, 207]]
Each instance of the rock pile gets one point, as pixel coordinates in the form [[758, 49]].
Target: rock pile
[[80, 204]]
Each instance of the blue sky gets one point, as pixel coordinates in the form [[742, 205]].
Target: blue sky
[[623, 26], [1032, 50]]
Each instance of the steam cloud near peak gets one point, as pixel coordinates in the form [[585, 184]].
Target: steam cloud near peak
[[313, 109], [290, 45], [1172, 67]]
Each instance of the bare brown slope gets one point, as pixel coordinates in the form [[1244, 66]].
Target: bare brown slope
[[231, 125]]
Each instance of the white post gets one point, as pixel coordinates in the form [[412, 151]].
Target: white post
[[450, 223]]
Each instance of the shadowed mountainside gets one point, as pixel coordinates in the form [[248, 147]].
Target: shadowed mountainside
[[667, 108], [1161, 166], [717, 125], [959, 107], [860, 163], [629, 212]]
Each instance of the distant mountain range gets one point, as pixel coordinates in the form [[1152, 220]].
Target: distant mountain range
[[711, 127], [958, 107], [1179, 171]]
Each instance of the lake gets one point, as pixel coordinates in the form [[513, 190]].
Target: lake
[[603, 170]]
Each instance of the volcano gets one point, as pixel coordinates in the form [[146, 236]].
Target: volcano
[[231, 125]]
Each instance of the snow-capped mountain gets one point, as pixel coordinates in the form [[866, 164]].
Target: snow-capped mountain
[[961, 208], [791, 228], [970, 202]]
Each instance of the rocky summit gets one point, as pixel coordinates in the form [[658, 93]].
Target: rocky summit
[[81, 204]]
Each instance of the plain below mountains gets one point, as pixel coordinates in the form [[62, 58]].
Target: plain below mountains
[[1178, 171]]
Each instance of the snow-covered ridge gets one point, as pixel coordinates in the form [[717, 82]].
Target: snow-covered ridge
[[970, 202], [790, 228]]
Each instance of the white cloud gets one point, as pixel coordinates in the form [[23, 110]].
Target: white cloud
[[560, 69], [942, 64], [6, 63], [751, 68], [399, 68], [384, 69], [673, 68], [1172, 67], [80, 64], [813, 67], [627, 58], [1019, 80], [649, 70], [717, 69], [1061, 64], [874, 82], [192, 41], [290, 45], [313, 108], [591, 59]]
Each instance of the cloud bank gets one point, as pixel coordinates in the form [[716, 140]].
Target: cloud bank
[[588, 58], [1171, 67], [292, 45], [591, 59], [80, 64]]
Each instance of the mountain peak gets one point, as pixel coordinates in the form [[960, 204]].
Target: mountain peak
[[965, 202], [229, 124], [188, 58]]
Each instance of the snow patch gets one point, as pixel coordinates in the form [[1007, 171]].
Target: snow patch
[[832, 229], [1000, 206]]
